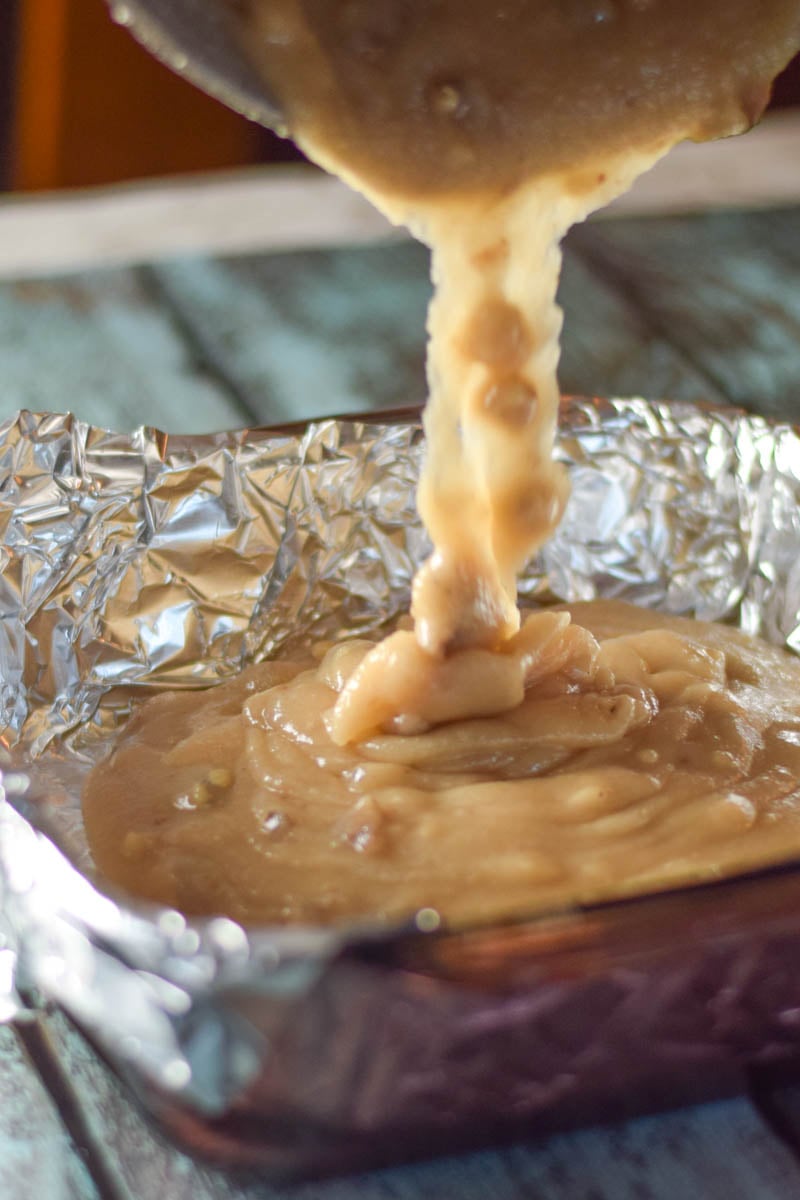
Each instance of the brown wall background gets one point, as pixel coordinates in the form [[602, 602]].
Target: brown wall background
[[82, 104], [90, 106]]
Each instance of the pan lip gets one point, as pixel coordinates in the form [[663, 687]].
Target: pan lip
[[246, 94]]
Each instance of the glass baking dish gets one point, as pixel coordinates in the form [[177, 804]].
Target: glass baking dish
[[307, 1051]]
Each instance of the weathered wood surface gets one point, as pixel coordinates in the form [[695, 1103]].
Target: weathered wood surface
[[693, 307], [102, 347], [38, 1160], [312, 334], [334, 331], [720, 1151], [609, 348], [683, 308], [723, 289]]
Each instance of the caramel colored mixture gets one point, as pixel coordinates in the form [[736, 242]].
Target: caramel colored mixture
[[475, 766], [489, 128], [612, 753], [416, 99]]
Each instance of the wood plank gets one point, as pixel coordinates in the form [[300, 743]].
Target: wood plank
[[325, 332], [102, 347], [313, 333], [609, 348], [205, 344], [760, 168], [776, 232], [283, 337], [720, 1151], [247, 211], [711, 287], [37, 1159], [141, 1163]]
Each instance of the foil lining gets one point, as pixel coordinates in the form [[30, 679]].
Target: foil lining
[[130, 563]]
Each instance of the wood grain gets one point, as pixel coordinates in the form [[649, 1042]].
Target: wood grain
[[313, 333], [689, 308], [37, 1159], [720, 1151], [609, 348], [726, 296], [325, 332], [102, 347]]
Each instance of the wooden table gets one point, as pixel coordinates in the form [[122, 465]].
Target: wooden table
[[699, 306]]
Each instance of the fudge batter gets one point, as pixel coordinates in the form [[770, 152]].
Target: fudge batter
[[615, 751], [472, 765]]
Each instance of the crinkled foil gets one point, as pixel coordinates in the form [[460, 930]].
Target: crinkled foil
[[130, 563]]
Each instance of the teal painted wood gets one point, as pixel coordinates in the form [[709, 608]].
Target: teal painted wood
[[37, 1159], [102, 347], [776, 232], [719, 1151], [610, 349], [723, 289], [313, 333], [333, 331], [694, 308]]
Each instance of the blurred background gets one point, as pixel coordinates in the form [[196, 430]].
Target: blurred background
[[81, 104], [226, 289]]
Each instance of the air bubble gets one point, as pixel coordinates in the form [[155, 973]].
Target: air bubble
[[276, 823], [447, 100]]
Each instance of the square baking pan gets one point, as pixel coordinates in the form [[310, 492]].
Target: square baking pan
[[132, 563]]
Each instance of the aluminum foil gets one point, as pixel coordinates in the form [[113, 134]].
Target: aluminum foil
[[130, 563]]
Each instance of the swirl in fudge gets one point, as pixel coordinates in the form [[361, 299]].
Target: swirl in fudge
[[606, 754]]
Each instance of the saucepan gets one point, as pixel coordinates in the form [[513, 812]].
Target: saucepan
[[202, 39]]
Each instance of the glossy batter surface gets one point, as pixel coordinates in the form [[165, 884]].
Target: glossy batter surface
[[611, 753]]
